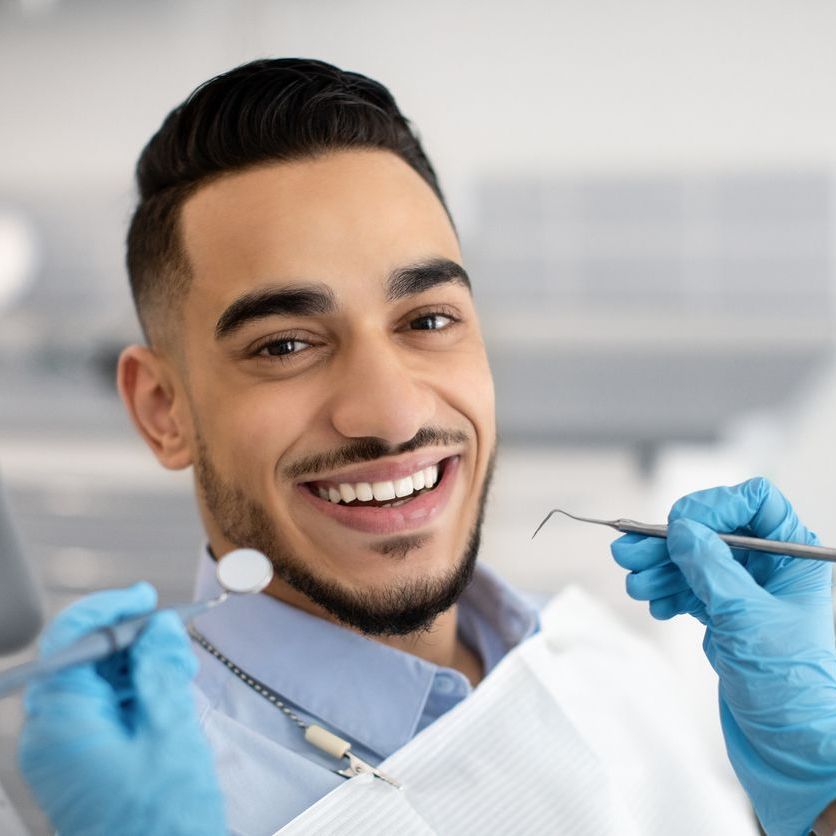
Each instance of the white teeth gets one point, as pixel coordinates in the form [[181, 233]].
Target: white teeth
[[383, 491], [347, 492], [404, 487], [431, 475], [364, 491]]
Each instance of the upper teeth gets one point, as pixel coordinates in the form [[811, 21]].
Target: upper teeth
[[381, 491]]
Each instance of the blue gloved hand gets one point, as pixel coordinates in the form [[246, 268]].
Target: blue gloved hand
[[116, 747], [769, 637]]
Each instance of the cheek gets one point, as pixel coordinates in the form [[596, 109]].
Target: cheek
[[468, 387], [249, 432]]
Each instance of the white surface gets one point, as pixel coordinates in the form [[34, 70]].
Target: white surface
[[584, 733], [18, 257]]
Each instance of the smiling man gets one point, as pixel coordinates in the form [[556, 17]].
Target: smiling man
[[314, 353]]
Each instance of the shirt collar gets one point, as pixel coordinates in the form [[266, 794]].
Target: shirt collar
[[372, 693]]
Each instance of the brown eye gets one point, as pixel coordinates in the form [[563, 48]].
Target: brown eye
[[431, 322], [282, 348]]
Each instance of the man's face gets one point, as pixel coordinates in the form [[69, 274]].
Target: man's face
[[340, 399]]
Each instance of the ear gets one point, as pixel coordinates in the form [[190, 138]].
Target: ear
[[160, 413]]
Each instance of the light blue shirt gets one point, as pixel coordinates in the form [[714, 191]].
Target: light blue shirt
[[375, 696]]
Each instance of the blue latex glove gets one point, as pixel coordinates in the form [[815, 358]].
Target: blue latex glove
[[769, 637], [116, 747]]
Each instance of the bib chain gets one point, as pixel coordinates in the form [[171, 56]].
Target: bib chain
[[259, 687], [317, 736]]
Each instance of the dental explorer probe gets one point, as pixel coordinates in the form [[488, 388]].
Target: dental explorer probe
[[736, 541], [243, 571]]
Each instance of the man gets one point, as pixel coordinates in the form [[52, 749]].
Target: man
[[315, 355]]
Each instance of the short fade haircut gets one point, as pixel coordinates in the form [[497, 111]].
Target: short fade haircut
[[273, 110]]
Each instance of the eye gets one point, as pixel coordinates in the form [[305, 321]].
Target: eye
[[432, 322], [281, 348]]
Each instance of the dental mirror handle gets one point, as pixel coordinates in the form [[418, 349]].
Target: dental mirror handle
[[97, 645]]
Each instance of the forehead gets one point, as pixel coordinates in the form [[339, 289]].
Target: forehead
[[347, 219]]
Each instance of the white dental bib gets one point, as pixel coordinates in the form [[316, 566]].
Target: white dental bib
[[577, 731]]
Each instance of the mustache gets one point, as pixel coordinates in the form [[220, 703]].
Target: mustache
[[371, 449]]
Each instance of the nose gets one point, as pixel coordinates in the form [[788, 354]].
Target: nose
[[381, 394]]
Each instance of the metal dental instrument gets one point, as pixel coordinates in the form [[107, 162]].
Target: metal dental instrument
[[736, 541], [241, 572]]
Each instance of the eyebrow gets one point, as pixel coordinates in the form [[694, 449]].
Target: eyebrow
[[408, 281], [296, 300], [318, 299]]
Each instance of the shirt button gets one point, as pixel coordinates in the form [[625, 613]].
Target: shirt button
[[444, 684]]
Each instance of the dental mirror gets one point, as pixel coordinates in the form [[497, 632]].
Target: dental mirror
[[244, 571]]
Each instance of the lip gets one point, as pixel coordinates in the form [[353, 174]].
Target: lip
[[387, 471], [413, 515]]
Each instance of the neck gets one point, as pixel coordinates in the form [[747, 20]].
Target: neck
[[436, 644], [439, 644]]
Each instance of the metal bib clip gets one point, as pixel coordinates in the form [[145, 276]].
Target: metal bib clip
[[338, 748]]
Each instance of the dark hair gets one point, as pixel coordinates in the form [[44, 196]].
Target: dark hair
[[269, 110]]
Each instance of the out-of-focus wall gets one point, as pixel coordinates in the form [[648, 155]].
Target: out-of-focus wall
[[498, 87], [568, 84]]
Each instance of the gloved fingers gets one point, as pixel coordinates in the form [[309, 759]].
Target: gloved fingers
[[756, 506], [81, 687], [797, 578], [637, 553], [164, 666], [679, 603], [100, 609], [775, 518], [78, 690], [73, 699], [71, 725], [656, 582], [706, 562], [116, 669]]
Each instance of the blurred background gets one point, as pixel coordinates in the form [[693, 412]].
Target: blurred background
[[645, 195]]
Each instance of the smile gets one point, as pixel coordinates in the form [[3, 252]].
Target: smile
[[386, 506], [394, 492]]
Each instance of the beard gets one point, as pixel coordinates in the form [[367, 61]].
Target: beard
[[397, 609]]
